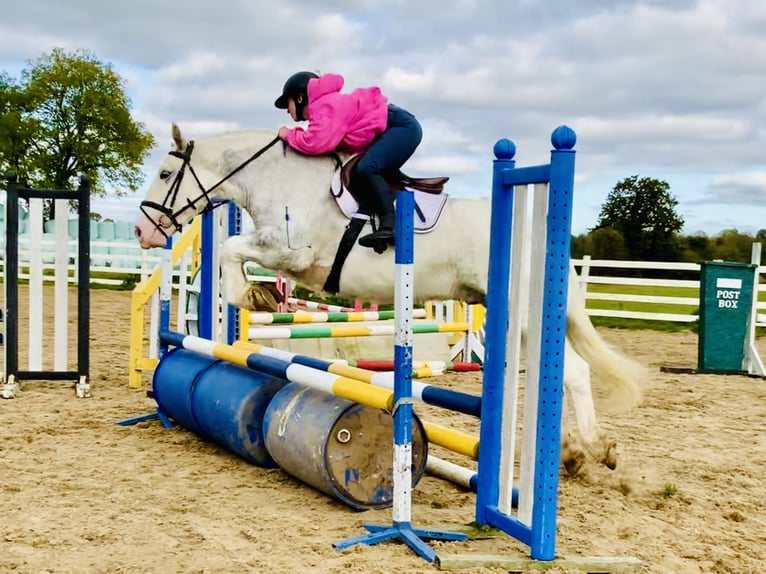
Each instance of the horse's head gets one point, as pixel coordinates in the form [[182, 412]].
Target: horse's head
[[175, 196]]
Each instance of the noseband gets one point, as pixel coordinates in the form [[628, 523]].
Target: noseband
[[167, 208]]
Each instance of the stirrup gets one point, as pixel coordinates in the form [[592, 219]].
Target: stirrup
[[384, 236], [380, 247]]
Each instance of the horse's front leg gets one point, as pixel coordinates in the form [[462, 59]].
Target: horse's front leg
[[238, 290], [577, 385]]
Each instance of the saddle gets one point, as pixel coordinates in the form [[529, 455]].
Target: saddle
[[429, 204], [430, 198], [397, 180]]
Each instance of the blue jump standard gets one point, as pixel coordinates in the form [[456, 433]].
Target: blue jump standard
[[158, 414], [412, 537], [402, 529]]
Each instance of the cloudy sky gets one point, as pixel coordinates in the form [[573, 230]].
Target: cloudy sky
[[668, 89]]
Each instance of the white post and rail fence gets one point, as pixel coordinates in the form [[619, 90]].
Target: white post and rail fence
[[608, 292]]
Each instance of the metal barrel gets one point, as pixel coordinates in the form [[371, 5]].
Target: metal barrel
[[217, 400], [339, 447]]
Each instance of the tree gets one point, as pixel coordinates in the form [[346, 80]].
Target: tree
[[76, 119], [16, 128], [581, 245], [696, 248], [608, 243], [643, 211], [731, 245]]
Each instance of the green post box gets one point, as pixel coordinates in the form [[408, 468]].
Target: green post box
[[726, 299]]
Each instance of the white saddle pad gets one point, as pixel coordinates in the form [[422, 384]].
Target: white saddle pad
[[428, 206]]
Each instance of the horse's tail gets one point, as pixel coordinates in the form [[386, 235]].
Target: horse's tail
[[623, 375]]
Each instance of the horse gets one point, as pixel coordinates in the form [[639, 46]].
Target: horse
[[296, 230]]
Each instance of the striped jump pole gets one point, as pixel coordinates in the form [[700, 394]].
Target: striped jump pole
[[314, 306], [460, 475], [401, 528], [386, 365], [264, 318], [342, 386], [429, 394], [320, 332], [420, 369], [335, 384]]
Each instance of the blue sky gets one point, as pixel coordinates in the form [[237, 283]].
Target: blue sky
[[669, 89]]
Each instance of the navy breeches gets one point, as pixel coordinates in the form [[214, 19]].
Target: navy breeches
[[394, 146]]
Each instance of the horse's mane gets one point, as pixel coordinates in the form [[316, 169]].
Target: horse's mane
[[250, 138], [225, 151]]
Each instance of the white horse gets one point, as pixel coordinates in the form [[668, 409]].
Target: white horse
[[270, 180]]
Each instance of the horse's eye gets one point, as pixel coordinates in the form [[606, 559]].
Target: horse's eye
[[164, 174]]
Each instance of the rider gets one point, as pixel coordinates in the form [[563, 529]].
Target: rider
[[358, 122]]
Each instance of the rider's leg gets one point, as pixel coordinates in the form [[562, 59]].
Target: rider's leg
[[382, 203], [387, 154]]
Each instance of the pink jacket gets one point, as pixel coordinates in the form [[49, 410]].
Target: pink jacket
[[343, 122]]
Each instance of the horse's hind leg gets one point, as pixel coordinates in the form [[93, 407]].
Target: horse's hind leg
[[577, 385]]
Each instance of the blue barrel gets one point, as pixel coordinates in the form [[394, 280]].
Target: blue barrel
[[217, 400], [339, 447]]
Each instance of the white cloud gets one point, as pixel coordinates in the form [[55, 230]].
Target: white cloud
[[446, 165], [194, 66], [335, 31], [742, 188], [440, 133], [409, 82]]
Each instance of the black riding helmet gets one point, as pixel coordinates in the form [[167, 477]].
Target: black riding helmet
[[295, 85]]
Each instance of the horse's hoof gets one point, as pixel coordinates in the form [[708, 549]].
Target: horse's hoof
[[574, 462], [610, 456], [262, 298]]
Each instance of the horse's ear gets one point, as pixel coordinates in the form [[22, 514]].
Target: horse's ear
[[178, 139]]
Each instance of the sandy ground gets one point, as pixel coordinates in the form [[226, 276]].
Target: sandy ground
[[81, 494]]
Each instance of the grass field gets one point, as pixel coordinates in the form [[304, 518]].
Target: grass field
[[687, 292], [692, 293], [647, 290]]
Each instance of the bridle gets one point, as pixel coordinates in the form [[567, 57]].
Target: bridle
[[168, 213]]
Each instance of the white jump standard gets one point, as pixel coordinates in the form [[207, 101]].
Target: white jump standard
[[60, 371], [403, 306]]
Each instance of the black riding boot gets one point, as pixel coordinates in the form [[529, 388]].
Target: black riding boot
[[382, 201]]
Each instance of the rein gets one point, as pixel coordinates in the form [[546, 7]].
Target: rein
[[169, 217]]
